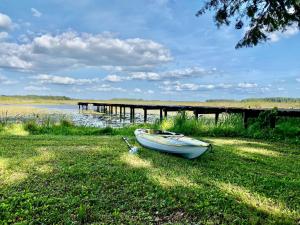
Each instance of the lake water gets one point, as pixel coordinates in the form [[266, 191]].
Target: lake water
[[81, 118]]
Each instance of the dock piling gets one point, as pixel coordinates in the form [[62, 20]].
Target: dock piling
[[145, 115], [196, 114], [160, 115], [245, 118], [166, 113], [216, 118]]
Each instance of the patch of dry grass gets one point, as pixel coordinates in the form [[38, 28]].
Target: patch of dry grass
[[16, 110]]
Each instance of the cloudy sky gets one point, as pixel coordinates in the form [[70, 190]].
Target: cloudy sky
[[150, 49]]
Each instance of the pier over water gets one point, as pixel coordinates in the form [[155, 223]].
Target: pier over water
[[121, 108]]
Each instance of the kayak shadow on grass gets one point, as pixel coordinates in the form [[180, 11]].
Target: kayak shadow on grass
[[94, 179]]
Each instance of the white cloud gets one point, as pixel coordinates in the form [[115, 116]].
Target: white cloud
[[187, 87], [153, 76], [171, 86], [113, 78], [189, 72], [150, 92], [225, 86], [106, 88], [144, 76], [15, 56], [298, 79], [137, 90], [178, 86], [36, 88], [290, 31], [5, 22], [113, 68], [247, 85], [35, 12], [62, 80], [70, 49], [178, 74]]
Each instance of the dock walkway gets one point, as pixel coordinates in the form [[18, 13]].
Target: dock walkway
[[112, 108]]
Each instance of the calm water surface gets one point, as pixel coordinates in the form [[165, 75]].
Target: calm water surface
[[82, 118]]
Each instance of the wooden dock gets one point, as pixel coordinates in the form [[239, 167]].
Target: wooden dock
[[112, 108]]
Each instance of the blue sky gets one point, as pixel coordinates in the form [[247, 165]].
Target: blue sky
[[150, 49]]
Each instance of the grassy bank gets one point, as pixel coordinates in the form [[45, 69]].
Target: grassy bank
[[65, 128], [36, 99], [91, 179], [286, 129]]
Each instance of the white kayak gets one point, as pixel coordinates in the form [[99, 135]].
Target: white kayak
[[170, 142]]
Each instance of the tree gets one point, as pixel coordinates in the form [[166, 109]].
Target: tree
[[258, 17]]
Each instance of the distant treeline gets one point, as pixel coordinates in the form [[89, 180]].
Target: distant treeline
[[274, 99], [127, 99], [46, 97], [221, 100]]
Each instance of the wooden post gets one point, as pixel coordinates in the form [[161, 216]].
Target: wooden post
[[196, 114], [145, 115], [273, 122], [133, 116], [216, 118], [160, 115], [245, 116], [166, 113]]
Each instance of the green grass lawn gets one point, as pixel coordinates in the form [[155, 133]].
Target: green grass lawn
[[93, 179]]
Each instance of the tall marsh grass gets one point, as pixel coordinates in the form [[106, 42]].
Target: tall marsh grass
[[231, 125], [228, 125]]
